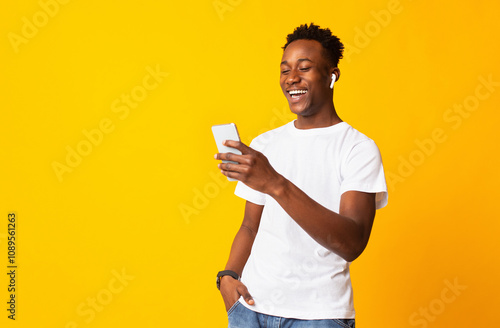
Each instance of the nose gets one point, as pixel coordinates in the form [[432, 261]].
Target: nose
[[292, 78]]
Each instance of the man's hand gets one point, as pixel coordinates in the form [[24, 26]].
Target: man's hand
[[231, 290], [345, 233], [253, 168]]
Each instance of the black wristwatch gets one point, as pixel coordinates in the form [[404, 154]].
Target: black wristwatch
[[226, 273]]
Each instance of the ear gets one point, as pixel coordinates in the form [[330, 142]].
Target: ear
[[336, 71]]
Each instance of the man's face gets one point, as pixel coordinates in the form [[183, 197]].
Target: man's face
[[305, 77]]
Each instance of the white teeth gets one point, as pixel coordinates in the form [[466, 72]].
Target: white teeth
[[297, 92]]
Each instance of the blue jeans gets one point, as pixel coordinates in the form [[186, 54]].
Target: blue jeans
[[241, 317]]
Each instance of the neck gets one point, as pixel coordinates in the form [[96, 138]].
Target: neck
[[321, 119]]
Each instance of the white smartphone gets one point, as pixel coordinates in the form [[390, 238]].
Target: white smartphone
[[226, 132]]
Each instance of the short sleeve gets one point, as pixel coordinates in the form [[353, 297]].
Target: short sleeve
[[249, 194], [362, 170]]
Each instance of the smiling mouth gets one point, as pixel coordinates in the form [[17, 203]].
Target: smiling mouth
[[296, 94]]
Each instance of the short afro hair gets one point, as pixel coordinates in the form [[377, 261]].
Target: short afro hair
[[331, 44]]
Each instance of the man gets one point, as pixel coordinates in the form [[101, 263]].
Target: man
[[312, 188]]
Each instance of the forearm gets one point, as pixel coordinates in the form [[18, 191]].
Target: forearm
[[240, 250], [338, 233], [345, 233]]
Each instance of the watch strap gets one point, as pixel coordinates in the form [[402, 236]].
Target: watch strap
[[226, 273]]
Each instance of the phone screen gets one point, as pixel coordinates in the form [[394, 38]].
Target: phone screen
[[226, 132]]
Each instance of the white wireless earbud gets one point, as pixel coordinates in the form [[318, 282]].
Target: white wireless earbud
[[334, 77]]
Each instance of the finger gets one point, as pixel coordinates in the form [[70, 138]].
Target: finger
[[246, 295], [238, 145], [226, 156], [231, 157], [232, 167], [233, 175]]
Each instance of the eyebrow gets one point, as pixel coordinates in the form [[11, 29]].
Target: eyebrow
[[299, 60]]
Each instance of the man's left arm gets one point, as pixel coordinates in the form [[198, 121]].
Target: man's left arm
[[345, 233]]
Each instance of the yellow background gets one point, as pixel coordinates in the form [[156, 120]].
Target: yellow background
[[146, 200]]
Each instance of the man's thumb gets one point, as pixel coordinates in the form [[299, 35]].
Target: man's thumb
[[246, 295]]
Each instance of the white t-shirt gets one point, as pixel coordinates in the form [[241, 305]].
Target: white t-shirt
[[288, 273]]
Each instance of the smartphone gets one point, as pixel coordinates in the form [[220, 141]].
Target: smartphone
[[226, 132]]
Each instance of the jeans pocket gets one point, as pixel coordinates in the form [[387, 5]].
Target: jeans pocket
[[231, 309], [345, 323]]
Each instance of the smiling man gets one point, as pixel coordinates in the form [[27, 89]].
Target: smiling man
[[312, 188]]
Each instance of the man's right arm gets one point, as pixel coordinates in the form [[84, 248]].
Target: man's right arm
[[231, 289]]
